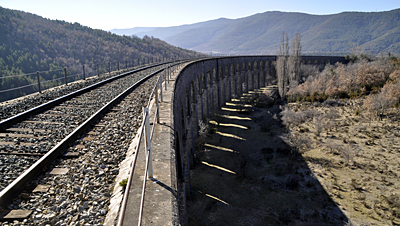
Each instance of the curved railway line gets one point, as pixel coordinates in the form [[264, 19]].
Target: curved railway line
[[64, 154]]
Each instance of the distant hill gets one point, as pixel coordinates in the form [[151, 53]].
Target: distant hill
[[30, 43], [374, 32], [133, 31]]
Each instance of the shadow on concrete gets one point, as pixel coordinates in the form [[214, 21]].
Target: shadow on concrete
[[162, 124], [166, 187], [245, 174]]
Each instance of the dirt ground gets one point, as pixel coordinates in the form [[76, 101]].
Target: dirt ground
[[246, 172]]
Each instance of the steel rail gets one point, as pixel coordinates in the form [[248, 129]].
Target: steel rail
[[13, 189], [23, 115]]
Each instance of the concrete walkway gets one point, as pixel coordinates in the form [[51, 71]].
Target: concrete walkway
[[160, 206]]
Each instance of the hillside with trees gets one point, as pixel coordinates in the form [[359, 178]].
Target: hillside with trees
[[30, 43], [375, 32]]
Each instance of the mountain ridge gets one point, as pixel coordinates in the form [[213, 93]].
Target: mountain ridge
[[261, 33]]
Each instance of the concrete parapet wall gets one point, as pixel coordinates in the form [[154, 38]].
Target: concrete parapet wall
[[205, 85]]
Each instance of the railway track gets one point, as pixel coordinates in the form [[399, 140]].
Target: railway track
[[14, 107], [76, 186]]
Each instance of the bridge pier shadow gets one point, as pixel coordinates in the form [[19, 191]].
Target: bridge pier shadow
[[245, 174]]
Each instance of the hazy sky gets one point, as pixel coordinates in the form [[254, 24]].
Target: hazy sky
[[106, 15]]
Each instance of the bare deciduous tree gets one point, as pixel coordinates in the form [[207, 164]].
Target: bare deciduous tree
[[288, 63], [295, 60], [281, 65]]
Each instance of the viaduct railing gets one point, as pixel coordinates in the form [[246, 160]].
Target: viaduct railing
[[208, 84], [42, 80], [146, 135]]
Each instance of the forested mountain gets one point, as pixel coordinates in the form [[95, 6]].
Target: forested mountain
[[374, 32], [30, 43]]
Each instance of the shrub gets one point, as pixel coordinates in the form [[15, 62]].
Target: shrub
[[344, 81], [394, 201], [266, 123], [351, 58], [293, 182], [334, 103], [313, 97], [374, 89], [203, 129], [347, 154], [343, 95], [395, 75], [284, 151], [289, 118], [386, 98], [334, 148], [265, 99], [267, 151], [356, 93], [298, 143], [319, 125], [371, 75], [123, 183]]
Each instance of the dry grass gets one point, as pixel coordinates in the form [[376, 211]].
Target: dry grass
[[363, 156], [346, 174]]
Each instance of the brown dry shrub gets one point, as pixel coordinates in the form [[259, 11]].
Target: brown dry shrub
[[369, 75], [395, 75], [391, 92], [344, 81], [387, 97]]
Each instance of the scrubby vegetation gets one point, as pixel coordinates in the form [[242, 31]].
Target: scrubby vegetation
[[350, 115], [376, 80]]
